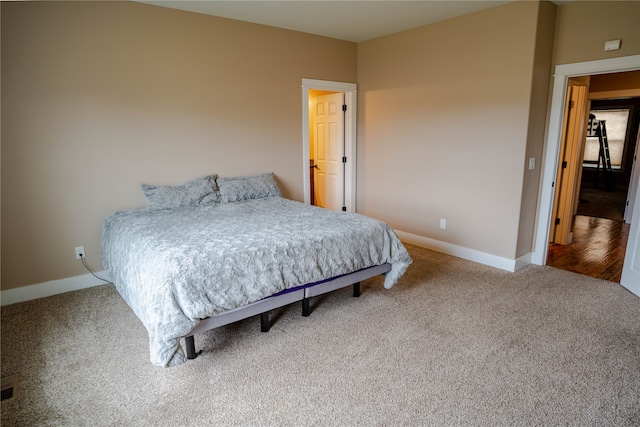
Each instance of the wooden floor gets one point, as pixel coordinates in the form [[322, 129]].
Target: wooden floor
[[597, 249]]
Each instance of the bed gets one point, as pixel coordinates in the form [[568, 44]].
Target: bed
[[217, 250]]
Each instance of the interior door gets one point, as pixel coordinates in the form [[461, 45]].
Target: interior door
[[570, 165], [631, 267], [329, 151], [633, 183]]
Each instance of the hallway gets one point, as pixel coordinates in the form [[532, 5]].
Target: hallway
[[597, 249]]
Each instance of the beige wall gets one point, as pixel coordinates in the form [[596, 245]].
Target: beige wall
[[536, 127], [584, 26], [98, 97], [443, 130]]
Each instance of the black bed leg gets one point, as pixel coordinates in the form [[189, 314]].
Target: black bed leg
[[305, 307], [264, 322], [191, 347], [356, 289]]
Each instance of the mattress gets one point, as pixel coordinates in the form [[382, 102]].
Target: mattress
[[175, 267]]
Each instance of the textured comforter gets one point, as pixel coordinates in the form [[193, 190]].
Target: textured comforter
[[174, 267]]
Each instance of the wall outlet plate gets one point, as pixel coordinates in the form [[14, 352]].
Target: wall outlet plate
[[612, 45], [79, 252]]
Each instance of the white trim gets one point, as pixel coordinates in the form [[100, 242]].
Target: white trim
[[554, 136], [328, 85], [507, 264], [350, 98], [522, 261], [53, 287]]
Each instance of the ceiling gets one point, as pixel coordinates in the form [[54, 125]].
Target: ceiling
[[354, 21]]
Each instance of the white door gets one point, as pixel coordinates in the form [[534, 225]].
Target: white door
[[633, 184], [329, 151], [631, 267]]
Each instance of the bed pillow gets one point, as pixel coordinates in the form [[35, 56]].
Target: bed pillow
[[198, 192], [242, 188]]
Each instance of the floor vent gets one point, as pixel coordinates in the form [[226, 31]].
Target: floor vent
[[9, 387]]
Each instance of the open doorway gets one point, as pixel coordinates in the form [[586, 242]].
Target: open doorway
[[605, 188], [327, 149], [599, 196], [340, 177]]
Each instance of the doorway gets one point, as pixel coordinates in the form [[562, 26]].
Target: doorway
[[347, 158], [552, 157], [599, 204], [326, 149]]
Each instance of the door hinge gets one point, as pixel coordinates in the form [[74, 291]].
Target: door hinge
[[571, 104], [557, 221], [564, 165], [344, 107], [344, 160]]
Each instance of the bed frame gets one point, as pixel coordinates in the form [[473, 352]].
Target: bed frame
[[301, 293]]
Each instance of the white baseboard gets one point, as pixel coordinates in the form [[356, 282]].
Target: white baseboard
[[53, 287], [507, 264], [523, 261]]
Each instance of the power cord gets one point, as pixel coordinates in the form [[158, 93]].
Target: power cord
[[84, 262]]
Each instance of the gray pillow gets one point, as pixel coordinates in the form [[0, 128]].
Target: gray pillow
[[198, 192], [242, 188]]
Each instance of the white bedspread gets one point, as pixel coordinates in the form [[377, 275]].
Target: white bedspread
[[174, 267]]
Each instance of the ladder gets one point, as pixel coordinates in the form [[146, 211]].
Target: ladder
[[598, 129]]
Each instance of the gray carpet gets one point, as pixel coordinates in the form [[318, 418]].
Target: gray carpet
[[453, 343]]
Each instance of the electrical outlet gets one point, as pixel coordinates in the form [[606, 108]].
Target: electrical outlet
[[443, 223], [612, 45], [79, 252]]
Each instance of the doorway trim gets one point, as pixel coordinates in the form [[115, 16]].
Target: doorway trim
[[554, 135], [350, 99]]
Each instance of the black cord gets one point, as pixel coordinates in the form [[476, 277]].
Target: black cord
[[84, 262]]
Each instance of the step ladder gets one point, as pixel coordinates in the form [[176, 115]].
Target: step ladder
[[598, 129]]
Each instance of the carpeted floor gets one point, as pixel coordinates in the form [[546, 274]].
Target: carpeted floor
[[453, 343]]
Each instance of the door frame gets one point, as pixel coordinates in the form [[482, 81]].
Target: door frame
[[554, 136], [350, 99]]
